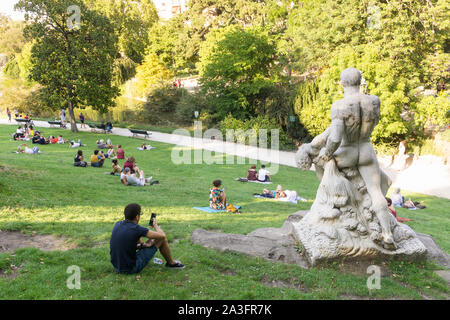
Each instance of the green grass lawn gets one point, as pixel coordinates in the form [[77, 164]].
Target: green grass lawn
[[46, 194]]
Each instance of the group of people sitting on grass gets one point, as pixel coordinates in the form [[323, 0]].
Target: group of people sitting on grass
[[24, 134], [262, 175], [130, 174]]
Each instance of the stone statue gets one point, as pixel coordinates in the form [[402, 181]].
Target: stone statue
[[350, 216]]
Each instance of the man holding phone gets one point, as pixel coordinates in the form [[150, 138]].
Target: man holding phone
[[126, 239]]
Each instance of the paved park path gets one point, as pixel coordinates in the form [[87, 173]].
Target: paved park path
[[429, 179]]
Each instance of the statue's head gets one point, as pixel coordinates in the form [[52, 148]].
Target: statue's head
[[351, 77]]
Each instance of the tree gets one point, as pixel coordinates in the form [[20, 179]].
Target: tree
[[151, 72], [73, 63], [12, 39], [132, 20], [236, 63]]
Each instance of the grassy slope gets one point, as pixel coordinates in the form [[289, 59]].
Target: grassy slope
[[45, 194]]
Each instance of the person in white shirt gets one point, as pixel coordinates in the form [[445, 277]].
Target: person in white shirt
[[23, 148], [130, 179], [263, 174]]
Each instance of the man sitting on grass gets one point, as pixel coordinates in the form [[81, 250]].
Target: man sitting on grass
[[130, 179], [126, 239], [97, 160]]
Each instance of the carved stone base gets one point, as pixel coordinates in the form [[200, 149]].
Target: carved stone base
[[325, 243], [343, 224]]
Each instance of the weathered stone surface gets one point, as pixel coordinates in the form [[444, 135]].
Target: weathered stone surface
[[280, 245], [274, 244], [444, 274], [434, 252]]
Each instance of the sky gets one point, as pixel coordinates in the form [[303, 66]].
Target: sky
[[7, 8]]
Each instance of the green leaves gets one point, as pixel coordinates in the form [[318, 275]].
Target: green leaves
[[74, 66]]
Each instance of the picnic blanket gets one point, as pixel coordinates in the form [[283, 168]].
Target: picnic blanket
[[256, 181], [290, 200], [148, 148], [208, 209]]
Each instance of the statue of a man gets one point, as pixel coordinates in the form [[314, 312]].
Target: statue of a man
[[353, 119]]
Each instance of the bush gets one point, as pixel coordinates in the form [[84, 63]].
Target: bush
[[162, 99], [256, 124], [188, 104]]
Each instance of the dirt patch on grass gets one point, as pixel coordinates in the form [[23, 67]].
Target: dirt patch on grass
[[12, 240], [282, 284], [11, 273]]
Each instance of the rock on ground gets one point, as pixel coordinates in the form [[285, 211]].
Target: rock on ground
[[279, 244]]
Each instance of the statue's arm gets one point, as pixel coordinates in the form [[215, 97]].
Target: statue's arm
[[336, 131], [320, 141]]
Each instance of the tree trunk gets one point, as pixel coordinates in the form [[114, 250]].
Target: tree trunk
[[73, 124]]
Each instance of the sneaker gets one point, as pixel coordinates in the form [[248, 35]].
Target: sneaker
[[176, 265], [154, 182], [149, 179]]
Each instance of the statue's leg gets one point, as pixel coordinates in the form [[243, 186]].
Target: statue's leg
[[386, 182], [372, 178]]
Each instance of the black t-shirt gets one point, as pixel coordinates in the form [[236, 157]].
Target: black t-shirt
[[124, 238]]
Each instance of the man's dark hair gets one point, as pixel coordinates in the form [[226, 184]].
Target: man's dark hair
[[217, 183], [96, 152], [389, 201], [80, 152], [263, 166], [131, 211]]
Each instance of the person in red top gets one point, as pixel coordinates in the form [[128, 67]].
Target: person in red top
[[394, 212], [120, 152], [252, 174], [131, 163]]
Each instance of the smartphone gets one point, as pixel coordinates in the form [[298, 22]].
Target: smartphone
[[151, 219]]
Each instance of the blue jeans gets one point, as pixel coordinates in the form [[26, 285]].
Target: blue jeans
[[143, 257]]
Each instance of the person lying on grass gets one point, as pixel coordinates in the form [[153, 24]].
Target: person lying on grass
[[130, 179], [101, 144], [78, 161], [23, 148], [126, 239], [290, 195], [97, 159], [218, 198], [74, 144], [144, 147], [61, 140], [37, 138]]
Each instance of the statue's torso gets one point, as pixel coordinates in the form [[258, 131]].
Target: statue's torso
[[360, 114]]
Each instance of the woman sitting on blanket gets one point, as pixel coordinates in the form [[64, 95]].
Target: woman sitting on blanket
[[252, 174], [394, 212], [218, 198]]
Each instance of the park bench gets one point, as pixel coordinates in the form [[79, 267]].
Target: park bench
[[22, 120], [57, 123], [96, 127], [136, 132]]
